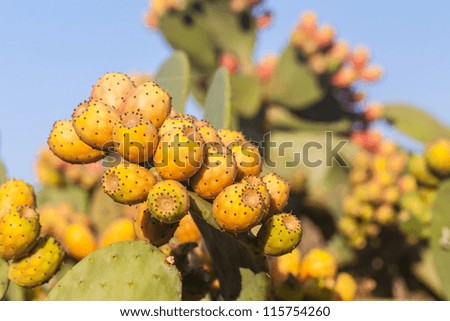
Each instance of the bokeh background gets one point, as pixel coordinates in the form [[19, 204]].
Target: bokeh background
[[51, 52]]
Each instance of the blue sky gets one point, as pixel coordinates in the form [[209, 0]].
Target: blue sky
[[51, 52]]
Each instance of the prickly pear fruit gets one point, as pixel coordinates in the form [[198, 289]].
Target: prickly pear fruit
[[39, 266], [135, 138], [150, 229], [407, 183], [111, 89], [65, 143], [384, 214], [128, 183], [285, 265], [280, 234], [230, 137], [19, 230], [79, 241], [179, 154], [187, 230], [53, 220], [15, 193], [139, 78], [94, 122], [119, 230], [151, 100], [238, 208], [345, 287], [208, 132], [248, 160], [176, 121], [318, 264], [278, 190], [260, 186], [437, 155], [218, 171], [168, 201], [418, 167]]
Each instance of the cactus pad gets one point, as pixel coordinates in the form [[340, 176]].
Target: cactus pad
[[129, 270]]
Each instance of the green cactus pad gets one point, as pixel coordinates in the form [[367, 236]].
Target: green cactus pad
[[415, 122], [129, 270], [3, 176], [279, 117], [16, 292], [218, 104], [227, 262], [326, 184], [440, 236], [341, 250], [174, 77], [72, 194], [103, 210], [214, 27], [203, 208], [425, 271], [293, 84], [255, 287], [245, 94], [194, 40], [4, 281]]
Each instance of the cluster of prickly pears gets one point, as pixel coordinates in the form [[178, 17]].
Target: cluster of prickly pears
[[156, 156], [314, 277], [53, 171], [33, 260], [380, 186], [327, 56], [429, 170]]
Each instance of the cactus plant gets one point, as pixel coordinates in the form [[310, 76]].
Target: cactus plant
[[128, 270], [4, 280], [440, 236]]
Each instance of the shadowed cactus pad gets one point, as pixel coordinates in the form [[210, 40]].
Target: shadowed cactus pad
[[4, 281], [129, 270], [39, 266]]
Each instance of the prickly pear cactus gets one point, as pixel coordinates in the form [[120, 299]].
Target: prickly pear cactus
[[440, 236], [2, 173], [134, 271], [4, 281], [174, 77]]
